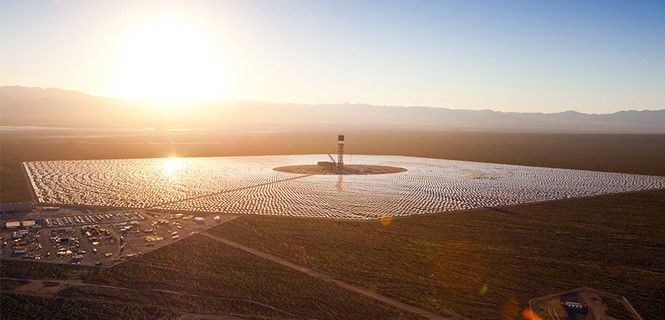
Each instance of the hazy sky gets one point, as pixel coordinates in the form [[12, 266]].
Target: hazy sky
[[592, 56]]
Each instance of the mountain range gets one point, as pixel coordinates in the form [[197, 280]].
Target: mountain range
[[36, 107]]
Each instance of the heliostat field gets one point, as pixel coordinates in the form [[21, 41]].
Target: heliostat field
[[249, 185]]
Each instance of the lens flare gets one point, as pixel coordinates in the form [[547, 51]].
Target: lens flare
[[528, 314]]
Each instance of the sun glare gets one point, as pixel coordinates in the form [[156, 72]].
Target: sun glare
[[169, 59], [171, 166]]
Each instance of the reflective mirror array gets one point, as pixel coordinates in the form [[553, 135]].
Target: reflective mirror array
[[249, 185]]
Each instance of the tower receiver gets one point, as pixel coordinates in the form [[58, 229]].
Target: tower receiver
[[340, 150]]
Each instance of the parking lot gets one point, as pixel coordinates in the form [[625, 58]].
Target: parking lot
[[96, 238]]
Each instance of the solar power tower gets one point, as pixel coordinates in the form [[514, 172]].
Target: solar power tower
[[340, 150]]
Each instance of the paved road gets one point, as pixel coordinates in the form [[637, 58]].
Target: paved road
[[344, 285]]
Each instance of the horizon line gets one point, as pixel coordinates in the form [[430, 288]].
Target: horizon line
[[152, 102]]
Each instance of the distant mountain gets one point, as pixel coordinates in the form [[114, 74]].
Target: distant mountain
[[21, 106]]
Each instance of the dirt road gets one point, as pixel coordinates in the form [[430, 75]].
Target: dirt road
[[359, 290]]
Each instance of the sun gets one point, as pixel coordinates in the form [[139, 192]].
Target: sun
[[169, 59]]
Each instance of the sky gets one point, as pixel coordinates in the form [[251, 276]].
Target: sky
[[523, 56]]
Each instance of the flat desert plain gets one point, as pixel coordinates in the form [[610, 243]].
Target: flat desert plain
[[483, 263]]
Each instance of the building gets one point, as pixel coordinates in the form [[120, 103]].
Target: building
[[28, 223], [340, 150], [12, 224]]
